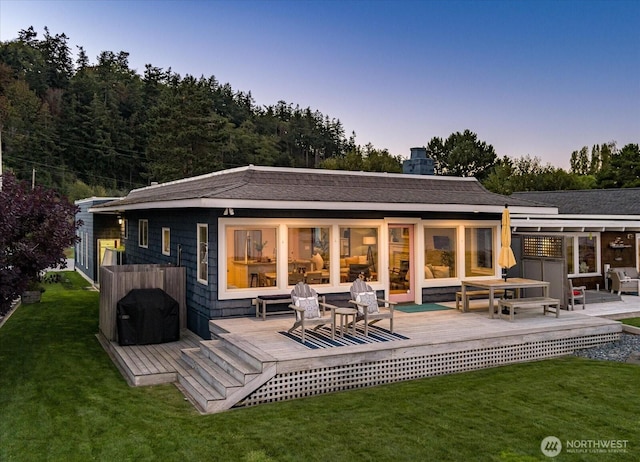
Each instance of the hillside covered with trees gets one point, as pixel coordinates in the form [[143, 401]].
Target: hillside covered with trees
[[101, 128]]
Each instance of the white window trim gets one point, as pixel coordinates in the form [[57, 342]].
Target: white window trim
[[126, 229], [383, 261], [435, 282], [576, 260], [86, 249], [199, 279], [142, 235], [282, 249], [166, 249], [638, 251]]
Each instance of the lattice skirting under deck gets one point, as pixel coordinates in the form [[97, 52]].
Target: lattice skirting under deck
[[318, 381]]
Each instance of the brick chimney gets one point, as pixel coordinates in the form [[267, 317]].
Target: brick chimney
[[419, 163]]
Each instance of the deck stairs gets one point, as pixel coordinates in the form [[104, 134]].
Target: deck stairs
[[222, 372]]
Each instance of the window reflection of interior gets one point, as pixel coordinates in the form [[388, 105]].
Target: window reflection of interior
[[440, 253], [309, 255], [399, 260], [582, 253], [251, 256], [358, 253], [478, 252]]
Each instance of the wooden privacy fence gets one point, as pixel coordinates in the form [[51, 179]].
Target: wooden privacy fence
[[117, 281]]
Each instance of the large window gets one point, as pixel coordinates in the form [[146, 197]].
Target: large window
[[359, 253], [143, 233], [582, 254], [479, 251], [203, 253], [309, 255], [440, 253], [251, 256]]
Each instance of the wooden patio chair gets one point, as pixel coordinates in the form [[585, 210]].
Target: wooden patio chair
[[370, 308], [310, 310], [576, 294]]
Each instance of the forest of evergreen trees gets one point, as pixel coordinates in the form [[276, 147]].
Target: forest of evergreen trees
[[101, 128]]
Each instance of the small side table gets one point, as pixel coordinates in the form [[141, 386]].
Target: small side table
[[344, 314]]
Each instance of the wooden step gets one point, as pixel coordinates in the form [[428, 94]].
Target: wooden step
[[201, 393], [228, 360], [246, 351], [210, 372]]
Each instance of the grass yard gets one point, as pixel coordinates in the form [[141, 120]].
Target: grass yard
[[61, 399], [632, 322]]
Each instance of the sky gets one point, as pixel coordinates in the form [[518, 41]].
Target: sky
[[531, 78]]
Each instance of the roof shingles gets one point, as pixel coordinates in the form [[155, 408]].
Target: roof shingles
[[624, 201], [288, 184]]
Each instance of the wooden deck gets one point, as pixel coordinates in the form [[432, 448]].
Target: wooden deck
[[150, 364], [439, 342]]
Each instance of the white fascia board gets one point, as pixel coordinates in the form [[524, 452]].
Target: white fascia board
[[574, 224], [311, 205], [538, 216], [96, 198]]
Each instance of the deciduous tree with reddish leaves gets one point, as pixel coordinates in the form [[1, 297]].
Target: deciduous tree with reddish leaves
[[36, 226]]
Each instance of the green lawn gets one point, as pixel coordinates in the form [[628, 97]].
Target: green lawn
[[632, 322], [61, 399]]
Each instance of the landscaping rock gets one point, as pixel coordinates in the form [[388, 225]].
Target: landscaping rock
[[627, 349]]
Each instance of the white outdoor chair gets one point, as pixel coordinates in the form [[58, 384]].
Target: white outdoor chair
[[370, 308], [309, 310]]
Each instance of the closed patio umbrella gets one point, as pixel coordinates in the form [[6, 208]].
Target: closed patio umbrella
[[506, 259]]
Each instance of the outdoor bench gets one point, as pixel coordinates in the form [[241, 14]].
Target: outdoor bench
[[474, 293], [547, 304], [262, 301]]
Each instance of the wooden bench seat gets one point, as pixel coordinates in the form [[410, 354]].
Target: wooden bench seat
[[547, 304], [264, 300], [475, 294]]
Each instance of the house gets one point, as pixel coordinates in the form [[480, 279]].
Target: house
[[594, 229], [254, 231], [98, 233]]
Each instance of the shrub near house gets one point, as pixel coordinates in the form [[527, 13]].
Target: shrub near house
[[36, 226]]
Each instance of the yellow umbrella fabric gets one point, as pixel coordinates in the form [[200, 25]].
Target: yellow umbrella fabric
[[506, 259]]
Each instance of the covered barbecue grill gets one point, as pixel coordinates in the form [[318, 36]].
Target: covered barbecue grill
[[147, 316]]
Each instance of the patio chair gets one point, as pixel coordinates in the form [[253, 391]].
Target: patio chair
[[310, 310], [576, 294], [369, 306], [621, 283]]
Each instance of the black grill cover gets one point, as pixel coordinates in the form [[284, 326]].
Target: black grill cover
[[146, 316]]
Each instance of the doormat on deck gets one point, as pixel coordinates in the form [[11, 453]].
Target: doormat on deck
[[321, 338], [421, 308], [601, 296]]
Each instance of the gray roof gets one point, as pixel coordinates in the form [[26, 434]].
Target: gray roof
[[624, 201], [290, 185]]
